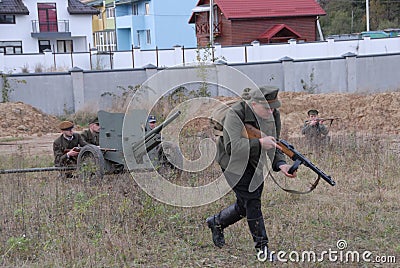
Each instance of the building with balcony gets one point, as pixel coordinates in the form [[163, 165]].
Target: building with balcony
[[154, 23], [104, 36], [62, 26], [266, 21]]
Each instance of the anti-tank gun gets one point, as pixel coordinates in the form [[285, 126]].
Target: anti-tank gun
[[95, 161]]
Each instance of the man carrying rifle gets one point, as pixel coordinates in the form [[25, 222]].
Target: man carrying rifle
[[242, 161], [314, 129], [64, 155]]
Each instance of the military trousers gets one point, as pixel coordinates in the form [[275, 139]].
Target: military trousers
[[248, 203]]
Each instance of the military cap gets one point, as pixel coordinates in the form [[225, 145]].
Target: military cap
[[312, 112], [94, 121], [151, 119], [66, 125], [266, 95]]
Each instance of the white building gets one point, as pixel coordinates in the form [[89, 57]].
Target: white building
[[31, 26]]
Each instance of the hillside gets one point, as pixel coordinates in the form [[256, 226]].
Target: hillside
[[372, 113]]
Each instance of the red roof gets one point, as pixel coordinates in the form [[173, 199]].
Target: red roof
[[276, 29], [241, 9]]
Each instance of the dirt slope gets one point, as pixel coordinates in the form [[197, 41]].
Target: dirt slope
[[373, 113], [20, 118]]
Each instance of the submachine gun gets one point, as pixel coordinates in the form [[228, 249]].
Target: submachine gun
[[288, 149], [300, 159]]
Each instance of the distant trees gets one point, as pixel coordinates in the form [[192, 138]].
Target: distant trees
[[349, 16]]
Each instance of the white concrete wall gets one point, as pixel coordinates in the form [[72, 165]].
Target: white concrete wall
[[233, 55], [56, 93]]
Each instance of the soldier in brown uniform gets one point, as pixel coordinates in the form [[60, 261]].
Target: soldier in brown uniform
[[242, 161], [91, 135], [63, 155]]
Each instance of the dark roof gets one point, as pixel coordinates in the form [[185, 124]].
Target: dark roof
[[13, 7], [76, 7], [239, 9]]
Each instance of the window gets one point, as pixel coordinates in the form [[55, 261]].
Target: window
[[105, 41], [216, 25], [64, 46], [7, 19], [44, 44], [138, 38], [11, 47], [135, 9], [47, 17], [100, 16], [148, 37], [110, 12], [147, 9]]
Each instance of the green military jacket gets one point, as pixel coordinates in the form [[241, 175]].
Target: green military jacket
[[90, 137], [61, 144], [314, 133], [234, 151]]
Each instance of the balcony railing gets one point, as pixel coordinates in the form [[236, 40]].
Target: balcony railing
[[203, 28], [60, 26]]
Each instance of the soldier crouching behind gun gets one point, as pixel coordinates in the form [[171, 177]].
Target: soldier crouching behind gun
[[91, 135], [63, 155], [246, 177], [314, 129]]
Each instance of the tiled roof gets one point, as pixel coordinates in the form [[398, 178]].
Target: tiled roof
[[235, 9], [13, 7], [77, 7], [240, 9]]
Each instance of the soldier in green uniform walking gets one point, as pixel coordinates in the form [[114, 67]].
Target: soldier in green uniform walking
[[242, 161]]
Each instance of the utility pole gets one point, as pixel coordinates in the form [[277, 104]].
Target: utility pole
[[321, 36], [367, 11], [211, 23]]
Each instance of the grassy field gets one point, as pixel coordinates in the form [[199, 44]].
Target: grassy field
[[49, 222]]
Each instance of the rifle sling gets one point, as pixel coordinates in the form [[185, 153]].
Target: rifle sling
[[313, 186]]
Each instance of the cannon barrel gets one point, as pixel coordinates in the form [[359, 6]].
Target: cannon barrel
[[28, 170], [149, 135], [151, 139], [158, 129]]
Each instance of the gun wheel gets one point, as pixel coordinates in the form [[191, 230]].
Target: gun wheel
[[90, 164]]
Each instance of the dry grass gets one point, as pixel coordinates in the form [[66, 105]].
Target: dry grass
[[49, 222]]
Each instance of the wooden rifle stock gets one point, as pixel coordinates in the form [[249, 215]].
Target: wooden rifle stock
[[251, 132]]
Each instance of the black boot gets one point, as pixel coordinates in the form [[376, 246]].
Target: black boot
[[218, 222], [260, 238]]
